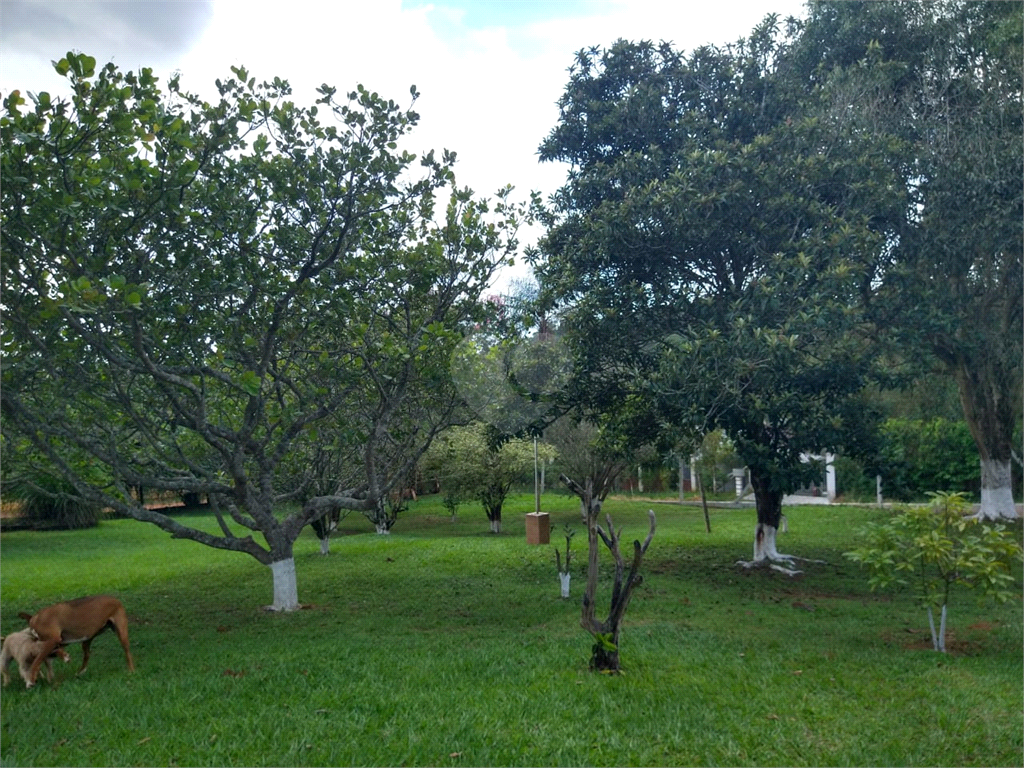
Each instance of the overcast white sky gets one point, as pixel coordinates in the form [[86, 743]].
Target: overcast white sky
[[490, 72]]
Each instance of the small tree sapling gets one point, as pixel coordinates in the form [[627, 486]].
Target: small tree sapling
[[605, 651], [565, 576], [931, 548]]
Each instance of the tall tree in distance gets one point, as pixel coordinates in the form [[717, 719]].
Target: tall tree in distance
[[710, 248], [195, 294]]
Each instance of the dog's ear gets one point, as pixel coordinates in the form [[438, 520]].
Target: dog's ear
[[25, 616]]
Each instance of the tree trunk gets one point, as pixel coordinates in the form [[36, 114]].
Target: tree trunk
[[704, 504], [984, 386], [383, 516], [996, 490], [286, 590], [605, 651], [494, 514], [769, 516], [325, 545], [604, 657]]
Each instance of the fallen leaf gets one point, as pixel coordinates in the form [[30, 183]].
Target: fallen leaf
[[772, 717], [143, 741], [798, 671], [222, 629], [455, 754]]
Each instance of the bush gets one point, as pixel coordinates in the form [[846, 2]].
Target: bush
[[853, 482], [931, 549], [918, 456], [49, 502]]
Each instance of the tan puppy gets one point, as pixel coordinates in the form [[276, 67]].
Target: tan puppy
[[24, 647], [78, 621]]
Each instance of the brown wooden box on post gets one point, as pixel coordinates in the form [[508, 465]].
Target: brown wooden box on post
[[538, 528]]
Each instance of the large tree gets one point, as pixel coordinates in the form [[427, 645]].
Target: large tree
[[712, 243], [201, 297], [944, 81]]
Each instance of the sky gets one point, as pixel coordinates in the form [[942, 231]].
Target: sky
[[489, 73]]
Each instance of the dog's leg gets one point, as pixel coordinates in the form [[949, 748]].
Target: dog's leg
[[120, 622], [48, 647], [85, 655]]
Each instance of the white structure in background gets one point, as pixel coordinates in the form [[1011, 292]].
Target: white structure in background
[[743, 488], [830, 474]]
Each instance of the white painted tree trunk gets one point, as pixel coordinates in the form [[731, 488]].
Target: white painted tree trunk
[[938, 638], [286, 590], [565, 578], [765, 553], [495, 526], [325, 545], [764, 544], [383, 529], [996, 491]]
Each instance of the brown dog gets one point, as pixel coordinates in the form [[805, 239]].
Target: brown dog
[[24, 647], [78, 621]]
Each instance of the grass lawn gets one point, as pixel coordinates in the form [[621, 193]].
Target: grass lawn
[[442, 644]]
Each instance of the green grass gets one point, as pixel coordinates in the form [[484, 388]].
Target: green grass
[[444, 645]]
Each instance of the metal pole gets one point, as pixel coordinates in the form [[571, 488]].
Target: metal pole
[[536, 479]]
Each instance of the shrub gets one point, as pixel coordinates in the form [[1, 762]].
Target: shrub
[[49, 502], [920, 455], [932, 548], [853, 482]]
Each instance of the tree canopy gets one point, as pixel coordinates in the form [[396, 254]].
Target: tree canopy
[[246, 299], [711, 247], [941, 84]]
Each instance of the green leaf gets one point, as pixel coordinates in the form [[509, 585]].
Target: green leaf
[[250, 383]]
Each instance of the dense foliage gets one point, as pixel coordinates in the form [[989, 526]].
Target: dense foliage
[[940, 83], [710, 248]]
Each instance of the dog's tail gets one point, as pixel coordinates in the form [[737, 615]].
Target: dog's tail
[[25, 616]]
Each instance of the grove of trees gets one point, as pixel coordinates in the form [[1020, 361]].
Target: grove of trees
[[277, 308]]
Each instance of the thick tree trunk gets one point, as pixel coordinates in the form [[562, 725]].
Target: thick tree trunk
[[996, 490], [984, 388], [383, 517], [286, 590], [769, 517]]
